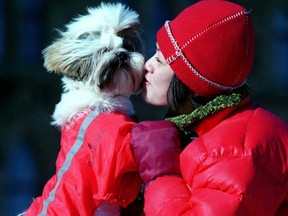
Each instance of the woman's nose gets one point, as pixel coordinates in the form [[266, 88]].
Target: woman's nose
[[148, 66]]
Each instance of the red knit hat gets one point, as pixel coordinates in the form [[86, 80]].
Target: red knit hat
[[209, 46]]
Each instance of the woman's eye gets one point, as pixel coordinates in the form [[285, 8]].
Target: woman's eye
[[157, 59]]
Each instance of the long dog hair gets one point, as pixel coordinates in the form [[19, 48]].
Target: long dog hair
[[100, 58]]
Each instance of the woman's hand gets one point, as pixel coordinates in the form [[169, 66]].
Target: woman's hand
[[156, 147]]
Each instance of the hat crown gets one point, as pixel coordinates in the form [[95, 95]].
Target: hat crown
[[209, 46]]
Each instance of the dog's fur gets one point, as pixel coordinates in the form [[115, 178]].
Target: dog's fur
[[99, 56]]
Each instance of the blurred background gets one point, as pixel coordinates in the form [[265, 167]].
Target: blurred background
[[28, 94]]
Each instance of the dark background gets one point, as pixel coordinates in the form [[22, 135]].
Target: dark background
[[28, 94]]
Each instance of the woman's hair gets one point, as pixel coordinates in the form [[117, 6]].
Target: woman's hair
[[181, 99]]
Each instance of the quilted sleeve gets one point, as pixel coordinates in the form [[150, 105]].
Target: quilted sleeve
[[167, 195], [172, 196], [225, 182]]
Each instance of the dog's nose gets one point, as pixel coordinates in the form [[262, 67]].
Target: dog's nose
[[122, 56]]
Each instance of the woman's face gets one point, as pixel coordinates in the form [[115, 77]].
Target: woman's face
[[158, 78]]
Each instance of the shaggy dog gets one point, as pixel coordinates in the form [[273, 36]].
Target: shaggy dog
[[99, 56]]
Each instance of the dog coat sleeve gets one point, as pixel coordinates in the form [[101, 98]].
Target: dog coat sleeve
[[113, 161]]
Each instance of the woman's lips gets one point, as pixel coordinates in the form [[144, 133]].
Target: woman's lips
[[144, 83], [146, 80]]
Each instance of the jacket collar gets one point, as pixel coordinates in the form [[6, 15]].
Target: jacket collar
[[210, 122], [212, 112]]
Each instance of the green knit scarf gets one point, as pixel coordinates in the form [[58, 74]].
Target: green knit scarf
[[187, 121]]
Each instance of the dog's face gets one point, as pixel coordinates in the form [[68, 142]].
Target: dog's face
[[101, 49]]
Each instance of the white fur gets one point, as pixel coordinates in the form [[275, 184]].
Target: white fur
[[77, 99], [113, 15]]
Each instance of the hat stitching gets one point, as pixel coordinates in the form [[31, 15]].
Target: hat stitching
[[178, 50], [247, 43], [233, 16]]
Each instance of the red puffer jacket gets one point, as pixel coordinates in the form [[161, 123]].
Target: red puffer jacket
[[237, 166], [95, 163]]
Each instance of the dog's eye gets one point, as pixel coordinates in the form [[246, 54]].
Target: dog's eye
[[89, 34], [96, 34], [84, 36]]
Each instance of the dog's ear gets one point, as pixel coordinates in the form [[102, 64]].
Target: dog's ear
[[59, 58]]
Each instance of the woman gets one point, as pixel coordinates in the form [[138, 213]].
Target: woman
[[233, 158]]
